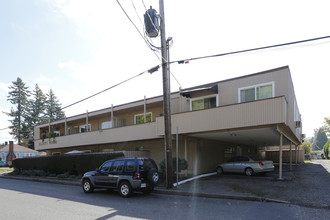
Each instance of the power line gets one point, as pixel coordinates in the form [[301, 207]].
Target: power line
[[198, 58], [111, 87], [134, 25], [146, 39], [249, 50]]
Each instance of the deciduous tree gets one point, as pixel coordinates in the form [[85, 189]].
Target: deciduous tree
[[307, 146]]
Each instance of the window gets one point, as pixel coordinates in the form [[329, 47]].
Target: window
[[3, 156], [106, 124], [117, 166], [139, 119], [130, 165], [105, 167], [28, 155], [252, 93], [203, 103], [84, 128]]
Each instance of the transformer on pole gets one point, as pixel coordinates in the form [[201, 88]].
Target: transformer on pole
[[151, 22]]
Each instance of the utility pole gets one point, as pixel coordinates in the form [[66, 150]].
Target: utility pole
[[167, 98]]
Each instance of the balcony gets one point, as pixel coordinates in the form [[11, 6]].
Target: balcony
[[249, 115], [112, 135]]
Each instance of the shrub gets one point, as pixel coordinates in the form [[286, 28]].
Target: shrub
[[183, 165], [73, 164], [326, 150], [63, 175]]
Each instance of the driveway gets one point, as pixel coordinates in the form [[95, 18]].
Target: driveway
[[307, 185]]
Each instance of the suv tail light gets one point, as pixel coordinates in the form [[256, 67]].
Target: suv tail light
[[137, 175], [261, 164]]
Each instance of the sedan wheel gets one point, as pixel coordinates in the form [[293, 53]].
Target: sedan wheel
[[248, 171], [125, 189], [219, 170]]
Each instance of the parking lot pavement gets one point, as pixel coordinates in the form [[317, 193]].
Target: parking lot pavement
[[234, 186], [304, 186]]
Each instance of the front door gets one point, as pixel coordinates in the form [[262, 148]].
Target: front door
[[101, 178]]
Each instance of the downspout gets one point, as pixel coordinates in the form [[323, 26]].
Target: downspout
[[280, 159], [290, 155]]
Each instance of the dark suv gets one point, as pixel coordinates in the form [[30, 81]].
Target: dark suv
[[126, 175]]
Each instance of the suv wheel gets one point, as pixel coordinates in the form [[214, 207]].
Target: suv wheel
[[125, 189], [153, 177], [87, 186]]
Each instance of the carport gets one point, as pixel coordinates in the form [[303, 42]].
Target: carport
[[261, 136]]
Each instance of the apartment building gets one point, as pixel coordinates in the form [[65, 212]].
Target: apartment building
[[210, 122]]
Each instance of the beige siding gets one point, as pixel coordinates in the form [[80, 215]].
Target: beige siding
[[257, 113], [228, 90]]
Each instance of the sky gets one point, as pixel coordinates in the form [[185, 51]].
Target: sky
[[80, 47]]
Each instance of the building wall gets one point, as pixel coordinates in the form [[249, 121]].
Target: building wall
[[274, 156], [202, 155], [18, 154], [229, 90]]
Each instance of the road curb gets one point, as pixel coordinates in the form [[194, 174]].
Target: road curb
[[44, 180], [220, 196]]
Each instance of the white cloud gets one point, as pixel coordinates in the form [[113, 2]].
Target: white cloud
[[4, 86], [43, 79], [69, 64]]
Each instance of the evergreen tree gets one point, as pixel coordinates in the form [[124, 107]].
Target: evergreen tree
[[18, 96], [37, 107], [327, 125], [53, 107], [320, 139]]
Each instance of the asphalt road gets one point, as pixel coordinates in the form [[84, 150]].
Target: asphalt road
[[35, 200]]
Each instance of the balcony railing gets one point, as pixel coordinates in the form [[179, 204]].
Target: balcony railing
[[241, 115]]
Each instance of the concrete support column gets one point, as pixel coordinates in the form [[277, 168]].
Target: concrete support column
[[296, 154], [280, 159], [290, 155], [185, 152]]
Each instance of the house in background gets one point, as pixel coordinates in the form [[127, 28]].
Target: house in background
[[18, 150], [213, 122]]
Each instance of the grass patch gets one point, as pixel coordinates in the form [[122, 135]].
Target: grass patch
[[6, 169], [307, 161]]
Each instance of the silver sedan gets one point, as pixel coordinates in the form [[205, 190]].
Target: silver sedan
[[246, 165]]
